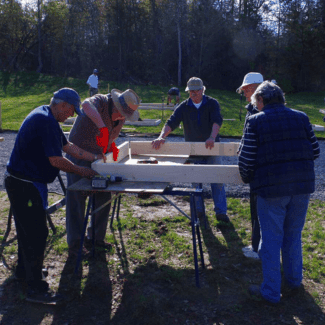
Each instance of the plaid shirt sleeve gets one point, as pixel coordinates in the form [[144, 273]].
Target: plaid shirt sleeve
[[247, 155], [314, 142]]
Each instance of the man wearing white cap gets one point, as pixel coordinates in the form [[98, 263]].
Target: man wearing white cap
[[96, 132], [250, 83], [202, 120]]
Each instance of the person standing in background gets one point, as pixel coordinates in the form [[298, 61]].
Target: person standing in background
[[92, 82]]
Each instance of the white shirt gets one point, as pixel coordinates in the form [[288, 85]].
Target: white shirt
[[93, 81], [197, 105]]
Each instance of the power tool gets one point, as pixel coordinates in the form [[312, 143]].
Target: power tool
[[101, 182]]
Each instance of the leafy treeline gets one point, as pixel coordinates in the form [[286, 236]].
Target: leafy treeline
[[167, 41]]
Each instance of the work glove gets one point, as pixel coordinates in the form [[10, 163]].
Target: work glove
[[115, 151], [102, 139]]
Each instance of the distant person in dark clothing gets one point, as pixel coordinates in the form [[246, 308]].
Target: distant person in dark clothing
[[277, 159], [250, 83], [173, 92]]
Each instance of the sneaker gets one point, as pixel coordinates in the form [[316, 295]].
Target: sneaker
[[46, 298], [222, 217], [248, 252], [254, 291]]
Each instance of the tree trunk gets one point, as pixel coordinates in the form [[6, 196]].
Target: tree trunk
[[40, 64], [179, 55]]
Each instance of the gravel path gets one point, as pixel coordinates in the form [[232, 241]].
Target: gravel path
[[231, 190]]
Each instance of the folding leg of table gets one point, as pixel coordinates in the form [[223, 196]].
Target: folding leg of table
[[83, 233], [195, 223], [91, 205], [117, 202]]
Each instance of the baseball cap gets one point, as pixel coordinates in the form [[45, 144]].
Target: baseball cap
[[194, 83], [250, 78], [70, 96], [95, 71]]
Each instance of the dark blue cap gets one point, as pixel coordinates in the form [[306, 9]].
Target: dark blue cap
[[70, 96], [95, 71]]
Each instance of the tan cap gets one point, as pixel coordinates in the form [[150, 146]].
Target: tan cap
[[194, 83]]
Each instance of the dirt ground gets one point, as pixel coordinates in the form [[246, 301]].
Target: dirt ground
[[117, 287]]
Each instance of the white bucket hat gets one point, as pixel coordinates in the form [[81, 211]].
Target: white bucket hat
[[127, 103], [249, 79]]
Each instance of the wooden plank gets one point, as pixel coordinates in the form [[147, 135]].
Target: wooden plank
[[153, 104], [145, 122], [162, 160], [165, 108], [172, 173], [185, 148], [318, 127], [70, 120], [122, 154]]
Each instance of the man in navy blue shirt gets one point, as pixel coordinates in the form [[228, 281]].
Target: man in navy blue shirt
[[35, 161], [202, 120]]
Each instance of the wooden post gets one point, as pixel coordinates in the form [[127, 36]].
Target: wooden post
[[108, 88]]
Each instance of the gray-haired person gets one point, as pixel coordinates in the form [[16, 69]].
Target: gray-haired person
[[277, 159], [35, 161], [202, 121]]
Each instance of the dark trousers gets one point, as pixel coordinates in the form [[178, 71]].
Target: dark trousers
[[32, 231], [256, 235], [93, 91]]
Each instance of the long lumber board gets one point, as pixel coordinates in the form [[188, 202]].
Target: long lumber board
[[165, 108], [172, 173], [144, 122], [318, 127], [175, 149], [184, 148]]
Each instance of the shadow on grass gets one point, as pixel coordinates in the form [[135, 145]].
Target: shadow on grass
[[88, 295]]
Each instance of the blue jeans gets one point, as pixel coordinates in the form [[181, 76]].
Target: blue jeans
[[282, 220], [218, 190]]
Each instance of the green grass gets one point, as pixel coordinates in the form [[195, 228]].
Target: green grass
[[22, 92], [152, 257]]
